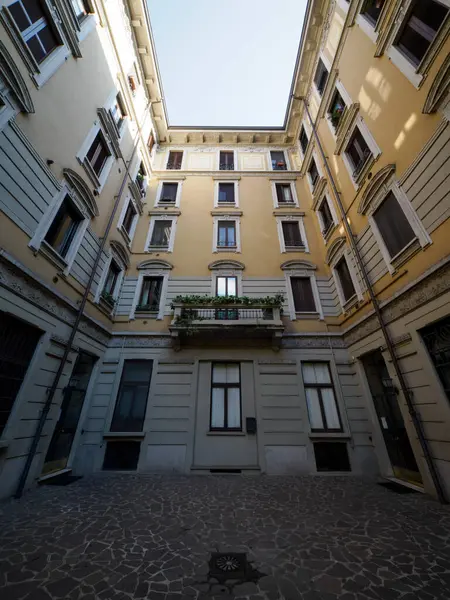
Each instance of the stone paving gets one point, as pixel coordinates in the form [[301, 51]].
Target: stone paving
[[122, 537]]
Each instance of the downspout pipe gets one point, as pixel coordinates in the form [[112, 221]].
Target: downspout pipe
[[389, 345], [84, 299]]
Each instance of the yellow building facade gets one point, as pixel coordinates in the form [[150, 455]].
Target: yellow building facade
[[246, 300]]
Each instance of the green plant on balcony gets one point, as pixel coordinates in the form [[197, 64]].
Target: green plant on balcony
[[336, 114], [194, 300], [108, 298]]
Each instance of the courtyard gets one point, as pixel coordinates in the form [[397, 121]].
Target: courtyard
[[118, 537]]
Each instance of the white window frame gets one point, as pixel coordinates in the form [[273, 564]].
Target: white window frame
[[153, 220], [159, 190], [164, 273], [343, 5], [128, 236], [327, 66], [235, 159], [290, 296], [286, 159], [226, 273], [40, 73], [218, 204], [292, 219], [98, 180], [280, 181], [421, 235], [136, 164], [308, 132], [8, 111], [358, 296], [227, 217], [312, 187], [86, 24], [409, 70], [37, 242], [326, 198], [366, 26], [338, 86], [371, 143], [108, 106], [118, 285], [183, 160]]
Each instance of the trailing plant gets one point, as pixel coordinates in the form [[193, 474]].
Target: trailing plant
[[186, 319], [195, 300], [107, 297]]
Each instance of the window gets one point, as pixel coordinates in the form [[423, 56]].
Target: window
[[437, 341], [326, 217], [131, 404], [129, 219], [302, 294], [226, 161], [313, 173], [151, 142], [321, 77], [168, 193], [345, 279], [81, 8], [284, 193], [141, 179], [323, 411], [291, 235], [118, 112], [371, 9], [303, 140], [278, 160], [18, 342], [393, 225], [226, 234], [61, 232], [226, 193], [357, 152], [331, 456], [121, 455], [175, 160], [35, 28], [336, 109], [98, 153], [419, 29], [160, 237], [150, 295], [225, 397], [111, 280], [226, 286]]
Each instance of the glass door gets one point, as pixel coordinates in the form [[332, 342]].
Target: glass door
[[72, 404]]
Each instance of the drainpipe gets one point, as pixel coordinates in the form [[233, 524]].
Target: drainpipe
[[387, 338], [84, 299]]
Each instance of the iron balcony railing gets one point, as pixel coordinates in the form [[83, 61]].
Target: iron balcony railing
[[174, 165], [226, 166], [227, 314]]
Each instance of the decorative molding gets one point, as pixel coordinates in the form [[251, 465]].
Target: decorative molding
[[398, 341], [226, 264], [141, 342], [14, 79], [334, 248], [228, 212], [313, 342], [70, 26], [439, 89], [382, 178], [81, 189], [154, 264], [290, 265], [121, 252]]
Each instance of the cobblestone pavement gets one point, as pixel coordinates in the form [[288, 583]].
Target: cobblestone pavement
[[308, 538]]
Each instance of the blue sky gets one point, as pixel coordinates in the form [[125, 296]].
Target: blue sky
[[226, 62]]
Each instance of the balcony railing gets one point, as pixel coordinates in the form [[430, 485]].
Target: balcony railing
[[226, 166], [174, 165], [230, 319], [279, 166]]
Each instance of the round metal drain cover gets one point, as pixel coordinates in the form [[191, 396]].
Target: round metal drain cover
[[228, 562]]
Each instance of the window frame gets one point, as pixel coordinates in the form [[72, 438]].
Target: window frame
[[218, 204], [143, 273], [327, 67], [159, 191], [38, 243], [291, 183], [421, 240], [375, 151], [153, 220], [97, 180], [304, 248], [235, 160], [112, 258], [286, 159], [340, 89], [357, 296], [128, 236], [326, 234], [332, 385], [226, 217], [183, 159], [372, 30], [225, 386], [313, 187], [305, 270]]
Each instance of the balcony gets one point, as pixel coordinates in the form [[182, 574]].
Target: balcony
[[226, 321]]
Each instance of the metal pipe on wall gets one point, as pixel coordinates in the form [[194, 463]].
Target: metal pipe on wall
[[84, 299], [389, 345]]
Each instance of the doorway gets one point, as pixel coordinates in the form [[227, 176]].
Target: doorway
[[385, 399], [72, 404]]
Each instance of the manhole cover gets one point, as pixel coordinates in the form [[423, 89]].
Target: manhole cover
[[228, 565]]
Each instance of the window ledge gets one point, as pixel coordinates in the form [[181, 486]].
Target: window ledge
[[233, 250], [125, 236], [49, 253], [404, 255], [329, 435], [351, 302], [163, 211], [367, 27], [227, 433], [287, 207], [329, 233], [296, 249], [51, 65], [226, 205], [87, 25], [124, 434], [142, 314], [235, 213], [405, 66], [309, 315], [154, 249]]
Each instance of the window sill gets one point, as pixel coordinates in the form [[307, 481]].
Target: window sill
[[142, 314], [49, 67], [295, 249], [123, 434], [154, 249], [329, 435], [227, 433], [87, 25], [49, 253], [367, 27], [125, 236], [234, 250], [350, 303], [306, 315], [404, 255], [329, 233], [405, 66], [226, 205]]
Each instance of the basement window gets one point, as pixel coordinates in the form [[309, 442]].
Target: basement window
[[331, 456], [121, 456]]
